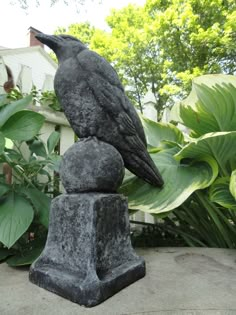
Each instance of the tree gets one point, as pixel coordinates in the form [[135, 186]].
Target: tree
[[85, 31], [119, 50], [196, 37], [165, 44]]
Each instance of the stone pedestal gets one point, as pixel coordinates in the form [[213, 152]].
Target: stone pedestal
[[88, 256]]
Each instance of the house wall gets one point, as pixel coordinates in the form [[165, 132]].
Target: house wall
[[148, 104], [40, 67]]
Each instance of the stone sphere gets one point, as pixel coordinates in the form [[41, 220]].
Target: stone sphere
[[91, 165]]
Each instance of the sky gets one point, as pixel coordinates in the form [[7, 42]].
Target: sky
[[14, 22]]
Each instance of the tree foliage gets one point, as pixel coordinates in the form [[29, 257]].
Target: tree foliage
[[163, 45], [85, 31]]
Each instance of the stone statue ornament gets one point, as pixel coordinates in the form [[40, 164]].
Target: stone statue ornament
[[88, 256]]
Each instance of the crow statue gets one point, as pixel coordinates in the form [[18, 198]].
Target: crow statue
[[95, 104]]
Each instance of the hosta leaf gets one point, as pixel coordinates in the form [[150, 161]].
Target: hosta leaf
[[3, 99], [56, 161], [211, 105], [16, 215], [4, 188], [219, 145], [27, 258], [41, 203], [232, 184], [175, 113], [9, 144], [4, 253], [219, 193], [53, 141], [38, 148], [2, 143], [23, 125], [181, 180], [158, 132], [8, 110]]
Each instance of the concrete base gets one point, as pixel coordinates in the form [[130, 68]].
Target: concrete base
[[179, 281], [88, 256]]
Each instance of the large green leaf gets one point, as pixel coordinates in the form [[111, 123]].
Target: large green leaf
[[41, 203], [2, 143], [232, 184], [211, 105], [181, 180], [23, 125], [219, 193], [4, 188], [219, 145], [38, 148], [3, 99], [9, 144], [16, 215], [56, 161], [26, 258], [53, 141], [4, 253], [158, 132], [8, 110]]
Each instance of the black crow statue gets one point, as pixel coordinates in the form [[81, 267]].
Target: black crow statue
[[95, 104]]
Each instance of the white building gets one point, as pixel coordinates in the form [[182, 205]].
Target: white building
[[30, 66]]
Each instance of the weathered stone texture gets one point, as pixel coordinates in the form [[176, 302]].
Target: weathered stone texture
[[88, 256], [91, 165]]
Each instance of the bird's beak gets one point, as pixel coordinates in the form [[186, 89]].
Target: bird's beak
[[50, 40]]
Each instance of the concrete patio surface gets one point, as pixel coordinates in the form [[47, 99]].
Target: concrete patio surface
[[188, 281]]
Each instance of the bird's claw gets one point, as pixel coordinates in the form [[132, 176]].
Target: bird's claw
[[94, 138]]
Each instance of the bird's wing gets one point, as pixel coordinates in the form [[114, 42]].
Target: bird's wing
[[92, 62], [107, 88]]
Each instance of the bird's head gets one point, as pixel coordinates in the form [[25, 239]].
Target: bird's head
[[64, 46]]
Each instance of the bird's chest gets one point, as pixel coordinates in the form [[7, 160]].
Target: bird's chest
[[78, 100], [69, 77]]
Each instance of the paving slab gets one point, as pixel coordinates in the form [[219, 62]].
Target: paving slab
[[179, 281]]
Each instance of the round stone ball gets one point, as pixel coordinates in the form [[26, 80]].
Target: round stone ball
[[90, 165]]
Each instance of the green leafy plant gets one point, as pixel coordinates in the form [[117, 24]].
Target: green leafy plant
[[45, 98], [24, 204], [49, 98], [199, 171], [14, 95]]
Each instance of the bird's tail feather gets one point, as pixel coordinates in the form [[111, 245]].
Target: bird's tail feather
[[144, 168]]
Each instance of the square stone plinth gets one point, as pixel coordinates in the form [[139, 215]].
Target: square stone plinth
[[88, 255]]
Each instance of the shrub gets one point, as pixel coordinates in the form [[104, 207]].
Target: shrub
[[24, 204], [199, 169]]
